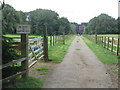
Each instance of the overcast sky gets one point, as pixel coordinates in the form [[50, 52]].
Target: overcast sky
[[75, 10]]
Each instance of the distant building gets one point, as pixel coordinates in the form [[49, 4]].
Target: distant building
[[81, 29]]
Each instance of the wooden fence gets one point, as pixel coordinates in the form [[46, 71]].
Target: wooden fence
[[30, 51], [37, 49], [35, 53], [110, 43], [56, 38]]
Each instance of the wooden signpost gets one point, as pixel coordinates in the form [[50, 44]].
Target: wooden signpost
[[24, 30]]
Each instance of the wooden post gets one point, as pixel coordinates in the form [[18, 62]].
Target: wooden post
[[112, 44], [50, 40], [53, 40], [63, 38], [105, 42], [56, 38], [96, 38], [102, 39], [108, 44], [118, 46], [45, 43], [24, 53]]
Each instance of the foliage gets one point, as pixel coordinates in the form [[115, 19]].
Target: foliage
[[8, 54], [40, 16], [55, 24], [102, 24], [30, 82], [10, 18], [72, 30], [64, 26], [118, 22]]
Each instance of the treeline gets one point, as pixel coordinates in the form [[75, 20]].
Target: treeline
[[55, 24], [103, 24]]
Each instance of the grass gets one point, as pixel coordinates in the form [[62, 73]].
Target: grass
[[104, 55], [109, 35], [57, 52], [30, 82], [42, 69]]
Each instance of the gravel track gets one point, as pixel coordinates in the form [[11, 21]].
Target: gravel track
[[80, 69]]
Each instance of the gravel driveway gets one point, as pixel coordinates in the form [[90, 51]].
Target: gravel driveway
[[80, 69]]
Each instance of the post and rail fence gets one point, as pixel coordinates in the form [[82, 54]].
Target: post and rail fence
[[110, 43], [30, 52], [31, 49]]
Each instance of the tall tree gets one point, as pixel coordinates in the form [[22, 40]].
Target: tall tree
[[102, 24], [40, 16], [64, 25], [10, 18]]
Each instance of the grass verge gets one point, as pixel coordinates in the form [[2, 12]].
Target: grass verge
[[104, 55], [57, 52]]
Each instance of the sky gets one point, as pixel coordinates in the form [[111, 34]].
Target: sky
[[75, 10]]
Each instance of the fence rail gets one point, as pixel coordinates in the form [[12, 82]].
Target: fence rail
[[35, 53], [36, 50], [110, 43]]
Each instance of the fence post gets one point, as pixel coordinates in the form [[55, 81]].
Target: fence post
[[102, 39], [45, 43], [53, 40], [112, 44], [96, 38], [118, 46], [108, 44], [50, 40], [24, 53], [63, 38], [56, 38], [105, 42]]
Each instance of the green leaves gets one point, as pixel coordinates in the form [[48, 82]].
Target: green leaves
[[11, 18], [102, 24], [55, 24]]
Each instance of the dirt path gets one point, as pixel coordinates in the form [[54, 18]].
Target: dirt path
[[79, 69]]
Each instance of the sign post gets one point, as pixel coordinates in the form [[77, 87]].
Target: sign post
[[24, 30]]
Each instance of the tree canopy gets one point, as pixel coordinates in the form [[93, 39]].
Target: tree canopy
[[55, 24], [102, 24]]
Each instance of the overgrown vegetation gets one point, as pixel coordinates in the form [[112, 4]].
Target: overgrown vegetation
[[8, 55]]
